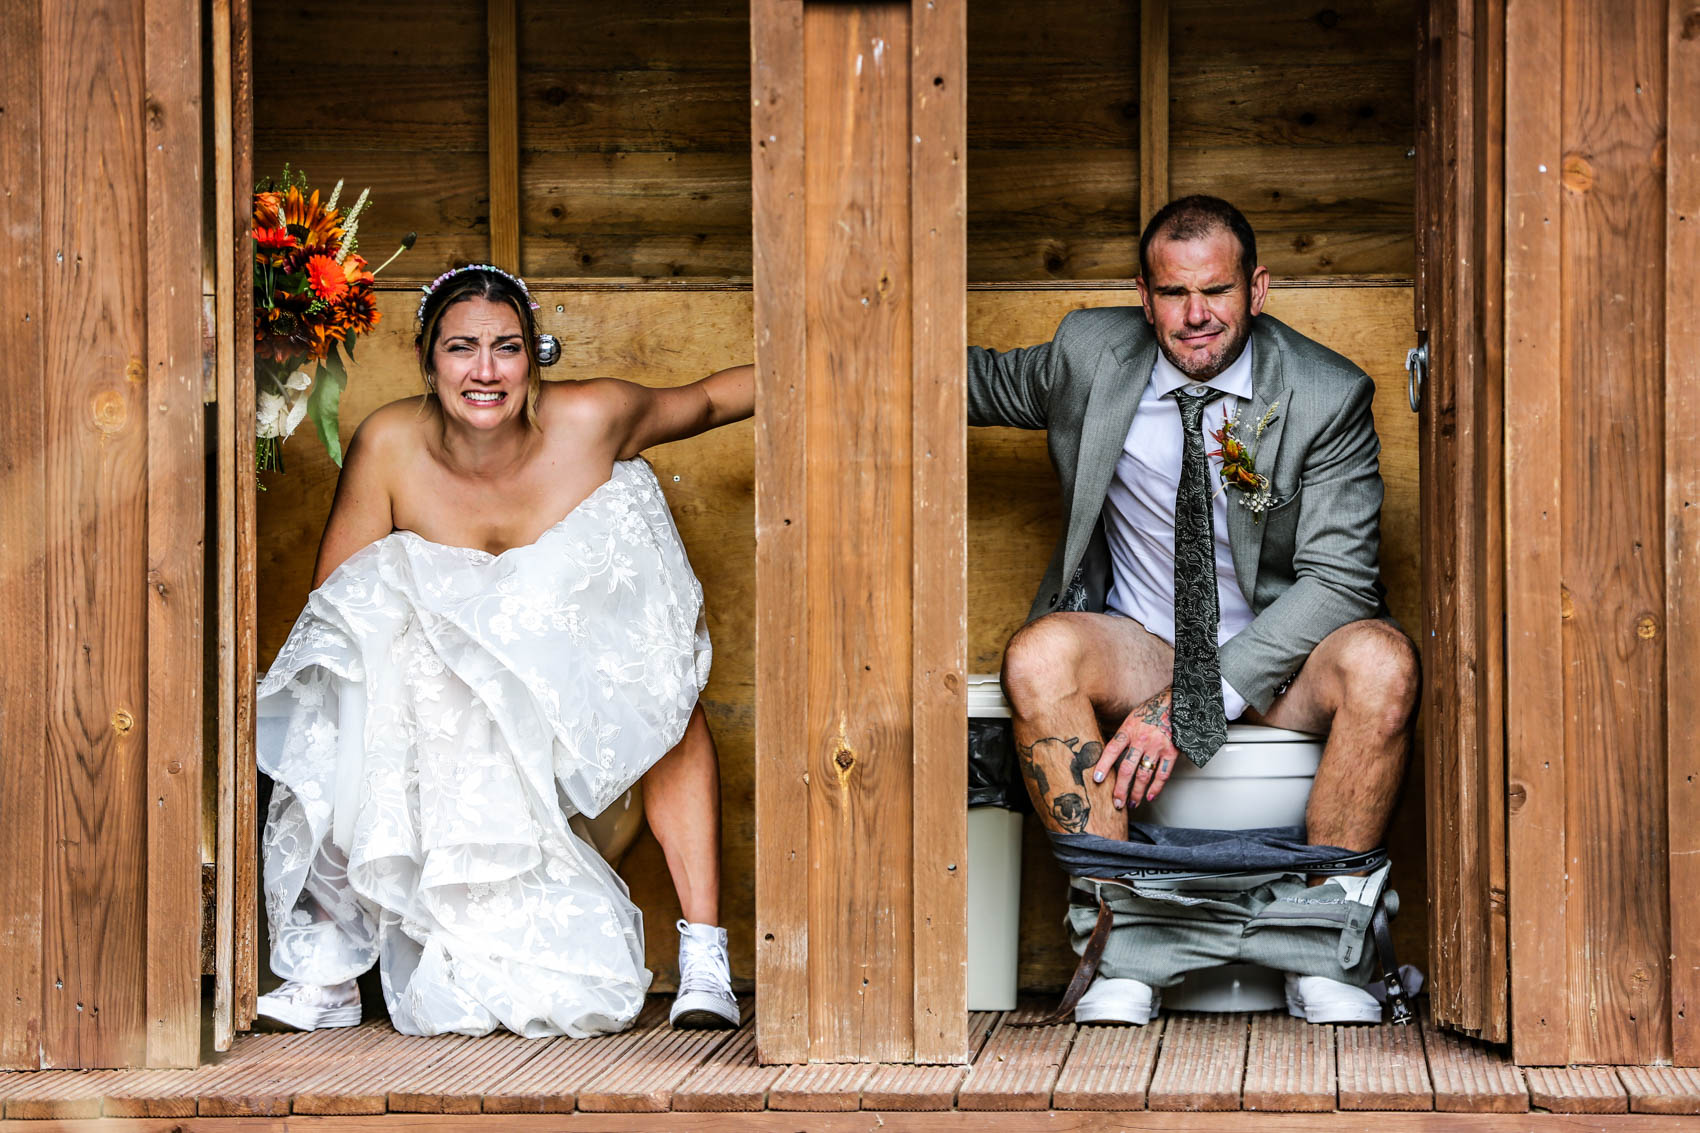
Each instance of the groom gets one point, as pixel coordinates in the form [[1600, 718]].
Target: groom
[[1219, 474]]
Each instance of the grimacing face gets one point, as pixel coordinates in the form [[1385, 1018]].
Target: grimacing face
[[480, 364], [1198, 302]]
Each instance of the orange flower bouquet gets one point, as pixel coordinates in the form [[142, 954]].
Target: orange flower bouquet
[[312, 298]]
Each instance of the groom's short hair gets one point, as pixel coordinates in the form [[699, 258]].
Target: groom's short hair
[[1189, 218]]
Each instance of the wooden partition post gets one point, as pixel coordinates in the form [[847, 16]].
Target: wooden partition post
[[858, 120]]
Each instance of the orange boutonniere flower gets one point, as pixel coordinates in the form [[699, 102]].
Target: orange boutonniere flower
[[1239, 462]]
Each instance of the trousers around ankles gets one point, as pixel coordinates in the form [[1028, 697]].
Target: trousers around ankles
[[1160, 931]]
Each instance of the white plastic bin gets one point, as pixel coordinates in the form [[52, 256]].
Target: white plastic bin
[[994, 879]]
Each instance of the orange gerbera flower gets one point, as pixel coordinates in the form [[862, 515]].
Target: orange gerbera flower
[[273, 239], [326, 277]]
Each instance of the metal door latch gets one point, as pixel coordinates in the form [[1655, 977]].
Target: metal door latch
[[1416, 371]]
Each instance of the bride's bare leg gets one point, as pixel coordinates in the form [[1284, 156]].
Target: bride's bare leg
[[681, 796]]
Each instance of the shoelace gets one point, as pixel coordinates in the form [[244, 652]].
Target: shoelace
[[702, 966]]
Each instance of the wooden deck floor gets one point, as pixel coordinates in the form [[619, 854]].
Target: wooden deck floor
[[1183, 1071]]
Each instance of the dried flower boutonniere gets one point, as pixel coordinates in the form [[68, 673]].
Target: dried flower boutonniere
[[1239, 461]]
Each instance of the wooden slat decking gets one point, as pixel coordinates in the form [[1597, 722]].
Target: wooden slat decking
[[1181, 1063]]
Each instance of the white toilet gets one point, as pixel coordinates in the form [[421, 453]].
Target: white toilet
[[1260, 777]]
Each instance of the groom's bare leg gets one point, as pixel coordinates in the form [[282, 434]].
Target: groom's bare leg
[[1360, 686], [1062, 674], [682, 799]]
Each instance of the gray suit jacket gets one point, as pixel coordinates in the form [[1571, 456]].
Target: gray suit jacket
[[1308, 568]]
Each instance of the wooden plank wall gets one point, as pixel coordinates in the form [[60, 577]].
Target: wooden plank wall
[[669, 336], [1600, 242], [23, 566], [633, 130], [99, 771]]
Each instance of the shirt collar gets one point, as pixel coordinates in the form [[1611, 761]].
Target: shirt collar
[[1166, 378]]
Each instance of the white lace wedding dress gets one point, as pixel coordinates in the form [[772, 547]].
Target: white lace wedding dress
[[436, 716]]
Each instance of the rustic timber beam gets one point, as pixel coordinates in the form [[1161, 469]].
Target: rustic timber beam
[[1153, 107], [1534, 508], [503, 38], [858, 130], [1682, 521]]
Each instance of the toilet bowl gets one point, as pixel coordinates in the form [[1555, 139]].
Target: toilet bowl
[[1261, 777]]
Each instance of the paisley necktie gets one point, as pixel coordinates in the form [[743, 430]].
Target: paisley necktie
[[1199, 724]]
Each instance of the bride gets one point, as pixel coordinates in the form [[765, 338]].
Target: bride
[[504, 632]]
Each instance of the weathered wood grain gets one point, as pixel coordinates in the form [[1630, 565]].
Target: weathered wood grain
[[502, 117], [939, 519], [1153, 108], [23, 547], [1614, 655], [245, 974], [176, 518], [732, 1080], [1471, 1076], [1576, 1089], [782, 635], [1017, 1069], [58, 1096], [1533, 567], [820, 1087], [549, 1082], [857, 299], [94, 537], [264, 1085], [1661, 1089], [1289, 1065], [223, 491], [353, 1082], [1682, 521], [1383, 1067], [643, 1080], [910, 1088], [455, 1080], [1201, 1065], [1108, 1068]]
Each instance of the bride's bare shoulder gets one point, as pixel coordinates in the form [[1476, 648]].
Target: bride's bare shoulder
[[594, 403], [395, 428]]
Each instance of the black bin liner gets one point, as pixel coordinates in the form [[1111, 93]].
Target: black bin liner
[[994, 776]]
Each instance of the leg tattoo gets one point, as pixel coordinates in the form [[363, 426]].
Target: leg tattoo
[[1068, 809]]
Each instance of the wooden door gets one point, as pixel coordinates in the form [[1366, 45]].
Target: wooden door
[[230, 118], [1459, 237]]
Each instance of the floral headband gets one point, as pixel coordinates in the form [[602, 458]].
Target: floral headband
[[548, 346]]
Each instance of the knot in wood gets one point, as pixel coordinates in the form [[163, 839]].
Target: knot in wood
[[110, 411], [122, 721], [1578, 173], [1646, 628]]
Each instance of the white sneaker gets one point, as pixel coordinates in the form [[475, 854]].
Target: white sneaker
[[1317, 999], [705, 1000], [307, 1007], [1118, 1001]]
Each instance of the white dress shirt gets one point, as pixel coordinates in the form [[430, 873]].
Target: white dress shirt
[[1139, 511]]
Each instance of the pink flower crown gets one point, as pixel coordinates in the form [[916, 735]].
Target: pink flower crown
[[548, 346]]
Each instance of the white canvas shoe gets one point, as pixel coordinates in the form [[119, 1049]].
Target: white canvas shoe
[[1118, 1001], [1317, 999], [705, 1000], [307, 1007]]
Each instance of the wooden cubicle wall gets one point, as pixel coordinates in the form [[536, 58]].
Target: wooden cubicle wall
[[633, 127], [101, 508]]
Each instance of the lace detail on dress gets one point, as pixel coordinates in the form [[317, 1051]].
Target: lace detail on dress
[[436, 716]]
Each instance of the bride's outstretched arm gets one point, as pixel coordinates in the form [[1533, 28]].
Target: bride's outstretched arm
[[656, 416]]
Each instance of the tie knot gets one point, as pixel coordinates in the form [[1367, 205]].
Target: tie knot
[[1192, 403]]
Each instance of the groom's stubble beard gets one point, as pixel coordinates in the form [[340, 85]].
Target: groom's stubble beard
[[1203, 368]]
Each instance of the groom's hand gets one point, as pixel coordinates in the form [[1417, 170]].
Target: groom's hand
[[1145, 747]]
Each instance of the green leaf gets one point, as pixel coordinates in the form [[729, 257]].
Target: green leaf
[[325, 401]]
